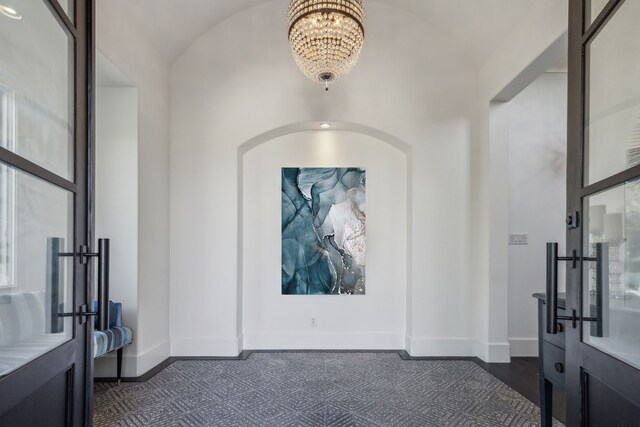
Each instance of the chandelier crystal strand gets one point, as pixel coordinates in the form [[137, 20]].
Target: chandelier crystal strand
[[326, 37]]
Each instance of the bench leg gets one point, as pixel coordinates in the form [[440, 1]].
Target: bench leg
[[119, 366]]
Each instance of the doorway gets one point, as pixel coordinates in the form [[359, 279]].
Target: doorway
[[528, 140], [117, 171], [537, 129]]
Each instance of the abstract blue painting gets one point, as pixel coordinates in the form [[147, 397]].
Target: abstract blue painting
[[323, 231]]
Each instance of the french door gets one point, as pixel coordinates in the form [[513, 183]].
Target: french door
[[46, 50], [603, 287]]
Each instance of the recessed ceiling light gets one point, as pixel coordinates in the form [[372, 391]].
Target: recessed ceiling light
[[325, 125], [10, 12]]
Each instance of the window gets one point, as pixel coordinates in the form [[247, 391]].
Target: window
[[7, 189]]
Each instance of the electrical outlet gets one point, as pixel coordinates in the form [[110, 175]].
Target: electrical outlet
[[314, 322], [518, 239]]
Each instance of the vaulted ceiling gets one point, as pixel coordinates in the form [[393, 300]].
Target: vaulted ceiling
[[476, 26]]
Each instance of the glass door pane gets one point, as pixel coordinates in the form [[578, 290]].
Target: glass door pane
[[36, 278], [45, 351], [613, 218], [67, 5], [36, 86], [612, 121]]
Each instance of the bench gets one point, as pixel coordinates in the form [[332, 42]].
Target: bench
[[24, 333]]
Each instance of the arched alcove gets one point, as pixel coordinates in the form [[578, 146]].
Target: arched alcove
[[223, 95], [378, 320]]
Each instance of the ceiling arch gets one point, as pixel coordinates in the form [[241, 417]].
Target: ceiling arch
[[378, 134], [475, 26]]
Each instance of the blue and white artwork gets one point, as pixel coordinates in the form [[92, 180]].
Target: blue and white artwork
[[323, 231]]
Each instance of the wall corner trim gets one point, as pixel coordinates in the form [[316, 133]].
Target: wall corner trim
[[523, 347], [493, 352], [134, 365]]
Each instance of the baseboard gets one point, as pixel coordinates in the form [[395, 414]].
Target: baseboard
[[240, 344], [322, 341], [152, 357], [203, 347], [244, 355], [138, 366], [139, 379], [523, 347], [404, 355], [493, 352], [439, 347], [133, 365]]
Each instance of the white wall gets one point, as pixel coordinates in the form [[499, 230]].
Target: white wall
[[375, 320], [121, 42], [117, 203], [239, 81], [537, 132]]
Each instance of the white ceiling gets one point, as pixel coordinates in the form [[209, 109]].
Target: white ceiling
[[476, 26], [173, 25]]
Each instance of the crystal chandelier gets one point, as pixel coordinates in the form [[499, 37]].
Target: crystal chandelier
[[326, 37]]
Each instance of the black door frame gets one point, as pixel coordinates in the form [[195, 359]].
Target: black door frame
[[581, 357], [75, 356]]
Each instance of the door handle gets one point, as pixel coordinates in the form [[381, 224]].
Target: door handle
[[552, 286], [103, 281], [602, 288], [54, 252], [600, 327]]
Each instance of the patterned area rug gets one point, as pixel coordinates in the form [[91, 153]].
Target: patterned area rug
[[316, 389]]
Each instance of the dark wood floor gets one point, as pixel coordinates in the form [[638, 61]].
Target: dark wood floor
[[522, 375]]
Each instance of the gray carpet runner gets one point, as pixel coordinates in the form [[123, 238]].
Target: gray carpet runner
[[316, 389]]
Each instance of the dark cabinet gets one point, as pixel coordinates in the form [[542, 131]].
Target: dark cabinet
[[551, 358]]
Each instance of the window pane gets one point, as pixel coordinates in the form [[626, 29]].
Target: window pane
[[613, 219], [36, 220], [612, 132], [36, 78], [593, 9], [67, 5]]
